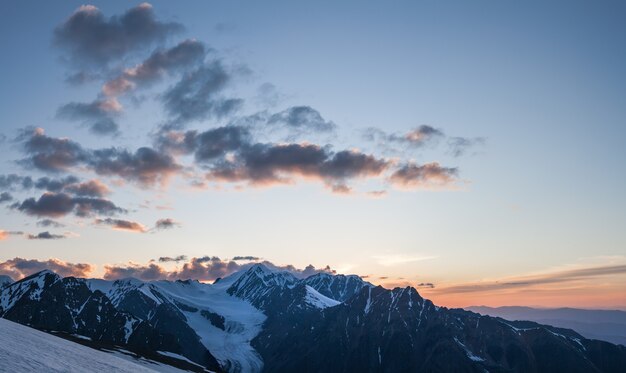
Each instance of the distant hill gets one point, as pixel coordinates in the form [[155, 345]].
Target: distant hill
[[605, 325]]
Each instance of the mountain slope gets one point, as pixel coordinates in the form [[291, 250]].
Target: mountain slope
[[48, 302], [24, 349]]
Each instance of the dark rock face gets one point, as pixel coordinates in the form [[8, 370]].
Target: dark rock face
[[381, 330], [323, 323], [337, 287], [48, 302]]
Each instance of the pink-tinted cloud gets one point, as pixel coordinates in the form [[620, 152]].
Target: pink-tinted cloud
[[122, 225], [426, 176], [19, 268]]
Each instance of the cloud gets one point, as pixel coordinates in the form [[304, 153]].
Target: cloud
[[179, 258], [421, 135], [215, 143], [55, 185], [263, 164], [48, 153], [145, 166], [9, 182], [525, 282], [230, 154], [166, 223], [69, 184], [429, 175], [196, 96], [91, 188], [459, 146], [92, 39], [244, 258], [54, 205], [428, 285], [19, 268], [206, 268], [45, 236], [122, 225], [98, 115], [395, 259], [302, 118], [49, 223], [148, 272], [5, 197], [161, 62], [415, 138], [3, 235]]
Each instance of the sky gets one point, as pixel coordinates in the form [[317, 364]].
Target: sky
[[473, 150]]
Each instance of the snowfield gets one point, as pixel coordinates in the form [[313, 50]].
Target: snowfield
[[23, 349]]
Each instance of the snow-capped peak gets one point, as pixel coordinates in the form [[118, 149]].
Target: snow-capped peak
[[318, 300]]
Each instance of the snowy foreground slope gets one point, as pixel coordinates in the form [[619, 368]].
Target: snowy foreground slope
[[23, 349], [264, 319]]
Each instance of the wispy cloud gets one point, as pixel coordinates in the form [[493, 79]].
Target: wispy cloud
[[529, 281], [396, 259]]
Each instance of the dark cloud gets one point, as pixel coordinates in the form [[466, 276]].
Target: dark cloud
[[55, 185], [19, 268], [268, 95], [92, 39], [49, 153], [55, 205], [303, 118], [166, 223], [230, 155], [249, 258], [197, 96], [123, 225], [45, 236], [148, 272], [69, 184], [145, 166], [428, 285], [11, 181], [422, 134], [98, 116], [179, 258], [459, 146], [5, 197], [161, 62], [266, 164], [429, 175], [208, 145], [49, 223], [217, 142], [176, 142], [415, 138], [91, 188]]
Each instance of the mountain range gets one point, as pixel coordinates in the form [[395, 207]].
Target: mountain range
[[268, 319], [606, 325]]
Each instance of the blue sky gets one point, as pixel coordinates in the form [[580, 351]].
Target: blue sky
[[541, 84]]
